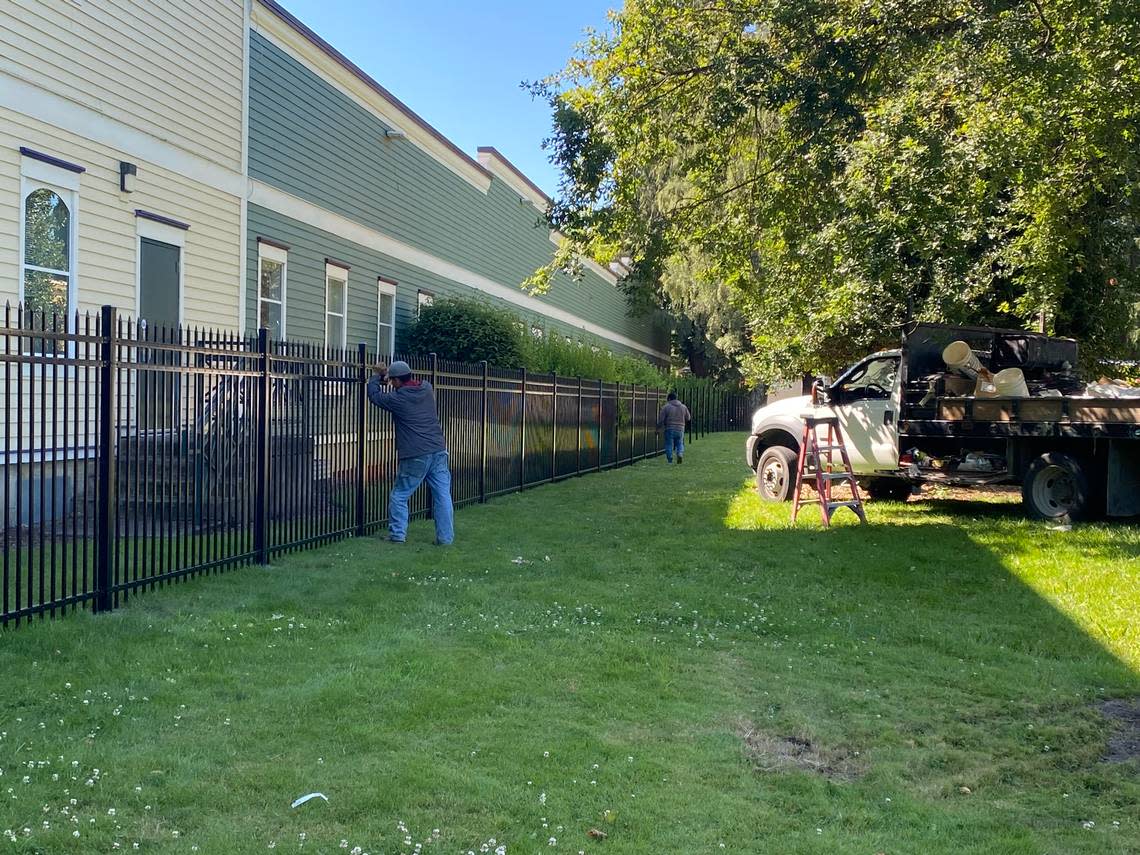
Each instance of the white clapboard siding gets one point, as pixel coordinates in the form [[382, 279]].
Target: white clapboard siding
[[107, 225], [171, 70]]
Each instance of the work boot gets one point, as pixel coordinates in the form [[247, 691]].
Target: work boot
[[680, 459]]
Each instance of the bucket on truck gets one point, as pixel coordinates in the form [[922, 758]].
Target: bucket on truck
[[1010, 383], [959, 357]]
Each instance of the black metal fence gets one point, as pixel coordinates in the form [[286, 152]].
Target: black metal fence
[[136, 456]]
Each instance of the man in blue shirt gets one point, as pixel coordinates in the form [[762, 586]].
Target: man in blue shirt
[[420, 449]]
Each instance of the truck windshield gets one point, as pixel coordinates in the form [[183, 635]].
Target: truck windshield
[[874, 378]]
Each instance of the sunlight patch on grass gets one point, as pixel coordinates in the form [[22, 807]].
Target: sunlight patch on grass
[[1091, 574]]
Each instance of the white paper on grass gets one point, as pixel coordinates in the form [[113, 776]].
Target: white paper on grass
[[309, 797]]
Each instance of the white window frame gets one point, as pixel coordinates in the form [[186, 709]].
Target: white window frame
[[385, 288], [36, 175], [340, 274], [269, 252]]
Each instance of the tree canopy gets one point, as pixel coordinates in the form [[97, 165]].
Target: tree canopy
[[833, 169]]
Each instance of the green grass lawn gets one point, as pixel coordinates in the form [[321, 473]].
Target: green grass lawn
[[646, 652]]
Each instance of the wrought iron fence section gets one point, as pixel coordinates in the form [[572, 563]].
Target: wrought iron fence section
[[136, 456]]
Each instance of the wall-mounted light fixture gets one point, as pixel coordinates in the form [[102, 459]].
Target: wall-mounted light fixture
[[394, 135], [127, 175]]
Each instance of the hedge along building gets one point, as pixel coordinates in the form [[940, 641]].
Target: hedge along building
[[359, 212]]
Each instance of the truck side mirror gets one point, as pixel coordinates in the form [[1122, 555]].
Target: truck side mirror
[[824, 387]]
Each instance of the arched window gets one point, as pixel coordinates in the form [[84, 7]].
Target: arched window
[[47, 274]]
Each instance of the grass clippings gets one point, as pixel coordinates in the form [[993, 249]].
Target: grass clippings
[[770, 753]]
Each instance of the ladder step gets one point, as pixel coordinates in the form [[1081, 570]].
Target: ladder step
[[852, 504], [829, 448], [837, 476]]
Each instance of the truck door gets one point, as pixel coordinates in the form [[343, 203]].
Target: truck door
[[866, 399]]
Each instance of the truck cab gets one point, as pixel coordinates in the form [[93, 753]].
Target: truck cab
[[867, 398]]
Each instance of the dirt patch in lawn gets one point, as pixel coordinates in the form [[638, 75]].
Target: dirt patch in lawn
[[769, 752], [1124, 744]]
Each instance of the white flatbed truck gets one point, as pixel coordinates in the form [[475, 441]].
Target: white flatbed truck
[[909, 420]]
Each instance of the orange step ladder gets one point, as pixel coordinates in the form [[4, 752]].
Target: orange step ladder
[[818, 458]]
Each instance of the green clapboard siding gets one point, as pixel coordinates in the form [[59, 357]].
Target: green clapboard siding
[[313, 142], [305, 283]]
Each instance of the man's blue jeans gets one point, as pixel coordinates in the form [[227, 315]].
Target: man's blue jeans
[[412, 472], [674, 441]]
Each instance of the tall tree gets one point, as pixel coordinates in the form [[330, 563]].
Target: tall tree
[[845, 166]]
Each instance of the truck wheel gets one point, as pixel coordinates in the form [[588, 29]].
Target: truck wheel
[[887, 489], [1056, 489], [775, 473]]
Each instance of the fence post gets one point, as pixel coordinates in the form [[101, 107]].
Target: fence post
[[632, 419], [633, 425], [553, 426], [105, 470], [599, 425], [705, 412], [361, 436], [617, 424], [483, 441], [522, 435], [434, 369], [579, 425], [261, 512]]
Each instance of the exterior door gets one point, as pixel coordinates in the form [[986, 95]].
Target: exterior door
[[866, 400], [159, 300]]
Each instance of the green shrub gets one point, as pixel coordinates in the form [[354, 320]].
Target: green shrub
[[467, 331]]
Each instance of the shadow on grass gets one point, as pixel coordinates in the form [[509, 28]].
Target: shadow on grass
[[1004, 510]]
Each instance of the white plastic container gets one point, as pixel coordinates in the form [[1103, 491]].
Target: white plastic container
[[1010, 383], [959, 357]]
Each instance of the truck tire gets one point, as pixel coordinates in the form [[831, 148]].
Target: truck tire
[[887, 489], [776, 474], [1055, 488]]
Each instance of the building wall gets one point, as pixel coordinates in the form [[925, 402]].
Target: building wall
[[157, 85], [305, 283], [170, 70], [107, 233], [316, 141]]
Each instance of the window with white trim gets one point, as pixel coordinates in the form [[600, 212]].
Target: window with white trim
[[336, 306], [48, 250], [385, 317], [272, 279]]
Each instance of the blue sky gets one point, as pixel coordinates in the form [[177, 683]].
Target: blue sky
[[459, 64]]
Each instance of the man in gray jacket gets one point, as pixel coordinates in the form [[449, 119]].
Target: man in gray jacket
[[420, 449], [674, 418]]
